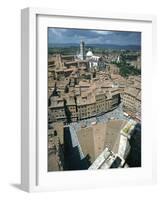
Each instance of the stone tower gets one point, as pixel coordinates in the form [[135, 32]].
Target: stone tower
[[82, 50]]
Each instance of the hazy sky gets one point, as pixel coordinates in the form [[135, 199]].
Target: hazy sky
[[63, 35]]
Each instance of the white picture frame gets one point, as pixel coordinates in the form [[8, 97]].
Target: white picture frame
[[33, 177]]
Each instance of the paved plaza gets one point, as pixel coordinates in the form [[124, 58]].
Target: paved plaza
[[117, 114]]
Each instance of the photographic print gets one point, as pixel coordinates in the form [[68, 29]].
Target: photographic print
[[94, 99]]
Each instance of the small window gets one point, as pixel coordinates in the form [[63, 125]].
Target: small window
[[55, 133]]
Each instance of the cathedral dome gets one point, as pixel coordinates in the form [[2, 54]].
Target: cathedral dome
[[89, 54]]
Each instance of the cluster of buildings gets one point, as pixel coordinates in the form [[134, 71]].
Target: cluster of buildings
[[131, 98], [84, 102], [60, 66], [95, 97], [113, 57], [56, 147], [77, 82], [80, 87], [134, 59]]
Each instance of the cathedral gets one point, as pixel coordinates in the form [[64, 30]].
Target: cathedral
[[89, 56]]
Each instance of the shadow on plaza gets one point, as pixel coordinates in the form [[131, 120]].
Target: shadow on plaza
[[72, 160], [134, 158]]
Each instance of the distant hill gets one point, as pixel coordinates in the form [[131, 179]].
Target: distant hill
[[102, 46]]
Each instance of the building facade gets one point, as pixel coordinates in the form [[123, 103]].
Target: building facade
[[83, 106], [132, 102]]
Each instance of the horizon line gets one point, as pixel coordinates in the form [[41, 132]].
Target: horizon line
[[97, 44]]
